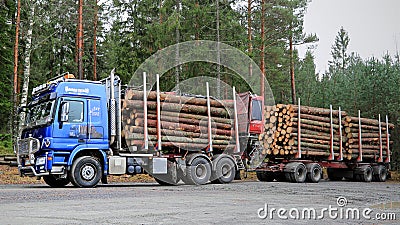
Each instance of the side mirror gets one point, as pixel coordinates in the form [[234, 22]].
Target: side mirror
[[64, 112]]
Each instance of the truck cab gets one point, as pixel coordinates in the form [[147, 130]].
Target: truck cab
[[67, 119]]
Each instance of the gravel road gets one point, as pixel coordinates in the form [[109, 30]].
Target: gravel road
[[235, 203]]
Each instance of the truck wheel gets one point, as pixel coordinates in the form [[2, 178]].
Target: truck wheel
[[296, 172], [55, 182], [334, 175], [363, 173], [265, 176], [225, 171], [86, 172], [314, 172], [380, 173], [199, 172], [169, 179]]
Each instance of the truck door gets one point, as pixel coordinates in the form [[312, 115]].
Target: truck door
[[70, 126], [97, 123]]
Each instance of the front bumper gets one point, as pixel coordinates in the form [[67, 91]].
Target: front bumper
[[31, 171]]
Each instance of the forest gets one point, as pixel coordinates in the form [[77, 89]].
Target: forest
[[42, 39]]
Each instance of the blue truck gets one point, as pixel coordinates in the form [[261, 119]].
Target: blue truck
[[73, 134]]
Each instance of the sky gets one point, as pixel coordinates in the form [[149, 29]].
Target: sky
[[373, 27]]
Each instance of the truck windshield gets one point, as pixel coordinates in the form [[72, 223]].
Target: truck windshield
[[40, 114], [256, 113]]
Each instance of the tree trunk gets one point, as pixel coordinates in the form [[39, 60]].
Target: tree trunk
[[80, 39], [95, 41], [27, 62], [15, 78], [292, 80], [262, 64]]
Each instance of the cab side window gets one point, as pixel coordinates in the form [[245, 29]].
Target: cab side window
[[75, 113]]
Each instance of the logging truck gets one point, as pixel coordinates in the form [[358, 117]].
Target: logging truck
[[79, 132]]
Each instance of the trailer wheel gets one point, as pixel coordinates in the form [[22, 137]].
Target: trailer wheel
[[265, 176], [380, 173], [314, 172], [199, 172], [225, 171], [296, 172], [86, 172], [169, 179], [363, 173], [55, 182]]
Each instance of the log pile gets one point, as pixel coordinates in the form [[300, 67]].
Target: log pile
[[184, 121], [320, 134], [372, 138], [314, 128]]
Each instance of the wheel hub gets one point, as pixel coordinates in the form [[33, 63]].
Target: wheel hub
[[88, 172], [201, 171]]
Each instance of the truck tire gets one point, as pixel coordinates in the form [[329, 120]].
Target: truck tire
[[296, 172], [199, 172], [225, 171], [169, 179], [86, 172], [363, 173], [380, 173], [314, 172], [265, 176], [55, 182]]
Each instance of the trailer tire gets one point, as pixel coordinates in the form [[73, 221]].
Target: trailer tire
[[199, 172], [55, 182], [363, 173], [380, 173], [86, 172], [225, 171], [296, 172], [314, 172]]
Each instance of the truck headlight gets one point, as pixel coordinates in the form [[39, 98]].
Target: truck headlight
[[41, 161]]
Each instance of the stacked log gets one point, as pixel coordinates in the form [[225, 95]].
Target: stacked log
[[373, 138], [314, 127], [319, 134], [184, 121]]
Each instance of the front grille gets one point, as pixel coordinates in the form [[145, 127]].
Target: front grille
[[28, 146]]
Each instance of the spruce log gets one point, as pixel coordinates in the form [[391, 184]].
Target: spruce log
[[176, 107], [317, 111], [315, 123], [325, 119], [372, 122], [184, 127], [164, 138], [184, 120], [185, 146], [178, 133], [152, 96], [319, 147]]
